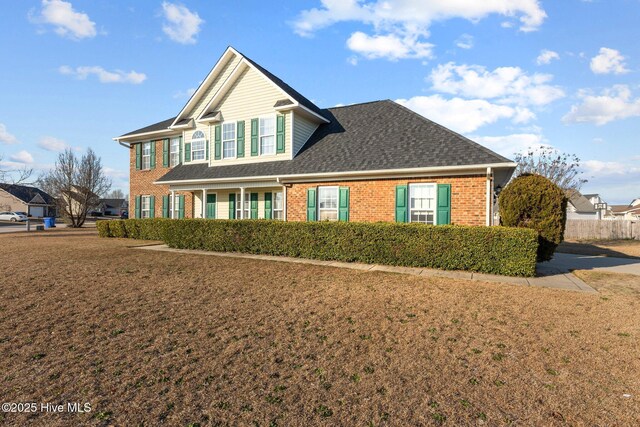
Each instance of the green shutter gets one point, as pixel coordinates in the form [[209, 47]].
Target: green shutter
[[254, 137], [232, 206], [206, 149], [218, 142], [254, 205], [138, 156], [138, 203], [268, 214], [165, 153], [180, 206], [153, 154], [343, 204], [444, 204], [211, 206], [165, 206], [280, 134], [152, 206], [402, 202], [240, 138], [187, 152], [312, 212]]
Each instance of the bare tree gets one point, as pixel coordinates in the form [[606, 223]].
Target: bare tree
[[560, 168], [116, 194], [14, 176], [77, 183]]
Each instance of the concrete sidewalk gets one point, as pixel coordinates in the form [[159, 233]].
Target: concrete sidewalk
[[552, 279]]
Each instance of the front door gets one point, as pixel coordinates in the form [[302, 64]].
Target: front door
[[211, 206]]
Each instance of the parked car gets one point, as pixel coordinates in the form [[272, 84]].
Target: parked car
[[13, 216], [124, 215], [95, 213]]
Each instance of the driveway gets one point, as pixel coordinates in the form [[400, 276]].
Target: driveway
[[564, 263]]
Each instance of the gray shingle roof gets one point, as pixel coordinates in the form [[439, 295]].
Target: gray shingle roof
[[26, 193], [580, 202], [378, 135], [163, 125]]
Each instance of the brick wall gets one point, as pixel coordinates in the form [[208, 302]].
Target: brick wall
[[375, 200], [141, 184]]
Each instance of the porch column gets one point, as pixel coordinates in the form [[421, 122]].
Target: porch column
[[204, 203], [172, 204], [241, 202]]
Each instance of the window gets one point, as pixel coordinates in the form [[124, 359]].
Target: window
[[198, 142], [174, 152], [146, 155], [268, 135], [173, 206], [422, 203], [228, 140], [328, 203], [247, 206], [145, 210], [278, 206]]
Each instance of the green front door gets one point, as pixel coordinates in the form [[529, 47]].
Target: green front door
[[211, 206]]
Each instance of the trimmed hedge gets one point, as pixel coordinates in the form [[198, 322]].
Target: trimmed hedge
[[495, 250]]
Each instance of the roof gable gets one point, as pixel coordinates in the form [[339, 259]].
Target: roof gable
[[29, 195]]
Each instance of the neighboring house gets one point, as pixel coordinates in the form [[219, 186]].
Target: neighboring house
[[580, 207], [629, 211], [22, 198], [113, 206], [247, 145]]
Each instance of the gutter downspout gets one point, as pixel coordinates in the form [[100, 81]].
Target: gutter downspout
[[489, 196]]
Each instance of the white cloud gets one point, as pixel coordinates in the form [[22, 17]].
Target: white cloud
[[181, 24], [389, 46], [507, 85], [463, 115], [65, 20], [614, 103], [411, 19], [608, 61], [23, 157], [465, 41], [6, 137], [546, 56], [104, 76], [50, 143], [508, 145]]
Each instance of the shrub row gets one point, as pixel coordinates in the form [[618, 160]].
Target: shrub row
[[496, 250]]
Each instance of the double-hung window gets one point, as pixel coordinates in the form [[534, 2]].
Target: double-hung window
[[173, 206], [328, 203], [228, 140], [145, 209], [267, 135], [422, 203], [146, 155], [174, 152], [198, 145], [247, 206], [278, 205]]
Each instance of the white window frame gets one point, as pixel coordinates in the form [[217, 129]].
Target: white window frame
[[235, 140], [174, 156], [434, 207], [173, 203], [273, 206], [202, 150], [146, 158], [260, 135], [247, 204], [320, 210], [144, 199]]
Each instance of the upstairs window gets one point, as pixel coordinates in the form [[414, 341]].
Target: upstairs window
[[267, 135], [146, 155], [328, 203], [174, 152], [422, 203], [228, 140], [198, 145]]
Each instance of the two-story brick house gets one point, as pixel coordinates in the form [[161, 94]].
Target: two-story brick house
[[247, 145]]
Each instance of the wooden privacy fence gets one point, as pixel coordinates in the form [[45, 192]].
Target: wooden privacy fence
[[578, 229]]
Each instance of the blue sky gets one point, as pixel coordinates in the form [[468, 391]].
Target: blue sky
[[508, 73]]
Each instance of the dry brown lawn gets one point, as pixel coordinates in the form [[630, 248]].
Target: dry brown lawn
[[611, 283], [151, 338], [611, 248]]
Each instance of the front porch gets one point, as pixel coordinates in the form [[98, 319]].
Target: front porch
[[251, 200]]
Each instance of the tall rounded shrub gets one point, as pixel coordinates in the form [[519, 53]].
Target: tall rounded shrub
[[532, 201]]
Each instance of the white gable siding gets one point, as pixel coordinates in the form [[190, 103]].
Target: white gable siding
[[213, 88], [302, 130]]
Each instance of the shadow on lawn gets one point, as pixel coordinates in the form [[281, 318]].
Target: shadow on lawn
[[591, 248]]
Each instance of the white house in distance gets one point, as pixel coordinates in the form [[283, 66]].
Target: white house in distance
[[630, 211], [582, 206]]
